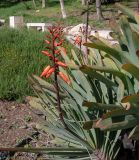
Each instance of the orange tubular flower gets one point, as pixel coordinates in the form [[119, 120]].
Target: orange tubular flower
[[47, 54], [51, 71], [45, 71], [64, 77], [61, 64], [48, 42]]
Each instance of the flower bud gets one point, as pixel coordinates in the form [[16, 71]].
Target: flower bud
[[64, 77], [61, 64], [45, 71], [48, 42], [47, 53]]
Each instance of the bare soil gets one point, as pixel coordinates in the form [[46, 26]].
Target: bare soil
[[16, 129]]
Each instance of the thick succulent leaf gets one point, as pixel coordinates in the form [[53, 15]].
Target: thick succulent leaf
[[135, 35], [135, 27], [91, 71], [64, 134], [109, 63], [101, 106], [130, 121], [120, 89], [132, 69], [136, 14], [117, 54], [132, 99], [47, 99], [70, 158], [126, 10], [130, 43], [107, 124], [39, 105], [51, 151], [75, 57], [76, 96], [121, 112], [112, 151], [45, 85]]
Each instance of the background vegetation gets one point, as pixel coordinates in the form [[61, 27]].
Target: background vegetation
[[20, 55], [52, 12]]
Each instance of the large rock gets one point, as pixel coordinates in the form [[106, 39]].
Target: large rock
[[102, 33], [77, 30]]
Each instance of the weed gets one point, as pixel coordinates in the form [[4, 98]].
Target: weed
[[27, 118]]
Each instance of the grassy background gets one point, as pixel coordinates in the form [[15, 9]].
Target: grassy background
[[20, 55], [52, 12]]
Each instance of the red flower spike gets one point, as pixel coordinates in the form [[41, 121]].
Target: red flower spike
[[45, 71], [47, 53], [56, 37], [61, 64], [48, 42], [64, 77]]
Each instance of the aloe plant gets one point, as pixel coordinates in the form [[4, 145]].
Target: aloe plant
[[122, 114], [89, 85], [98, 145]]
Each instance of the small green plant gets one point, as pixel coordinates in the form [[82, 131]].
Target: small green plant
[[27, 118], [18, 140], [2, 116]]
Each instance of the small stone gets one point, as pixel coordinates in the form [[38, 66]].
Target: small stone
[[23, 127], [13, 107]]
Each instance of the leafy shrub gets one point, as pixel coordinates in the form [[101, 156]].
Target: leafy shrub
[[19, 57]]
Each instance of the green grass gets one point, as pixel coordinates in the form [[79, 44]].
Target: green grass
[[20, 56]]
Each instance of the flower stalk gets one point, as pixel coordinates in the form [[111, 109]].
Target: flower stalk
[[55, 40]]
